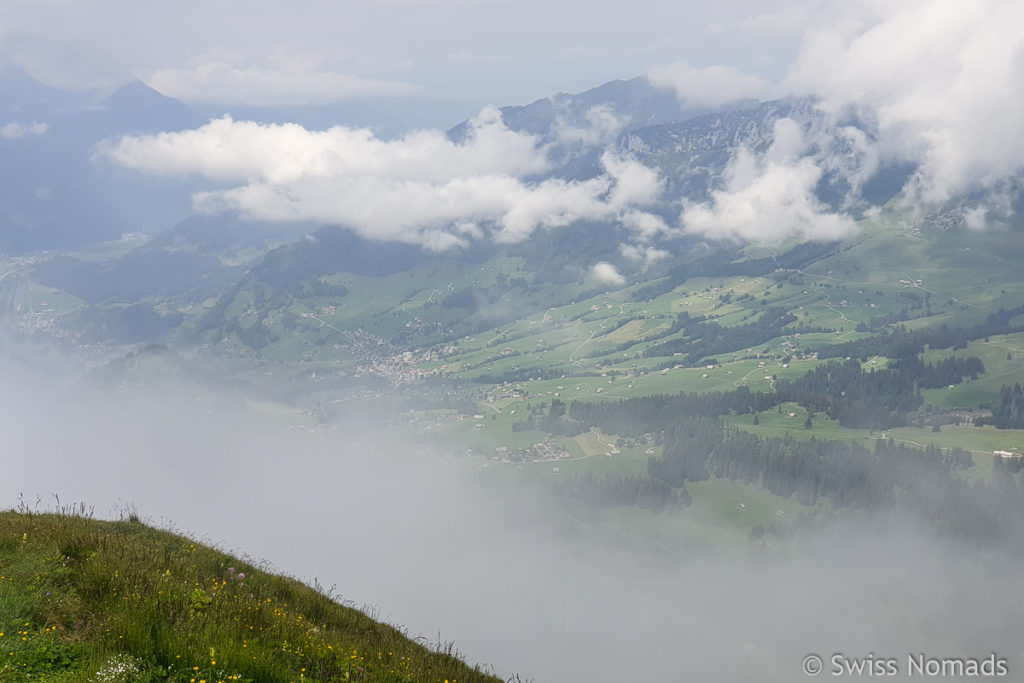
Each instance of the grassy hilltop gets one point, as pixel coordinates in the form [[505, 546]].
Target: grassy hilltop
[[119, 602]]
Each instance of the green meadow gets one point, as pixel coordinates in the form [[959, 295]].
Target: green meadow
[[87, 601]]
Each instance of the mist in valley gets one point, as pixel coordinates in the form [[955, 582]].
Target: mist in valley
[[517, 580]]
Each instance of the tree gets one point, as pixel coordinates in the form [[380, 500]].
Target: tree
[[557, 409]]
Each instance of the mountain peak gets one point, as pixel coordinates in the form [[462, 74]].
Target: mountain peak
[[142, 108], [136, 92]]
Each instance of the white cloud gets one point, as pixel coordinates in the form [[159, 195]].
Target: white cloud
[[769, 197], [602, 125], [975, 218], [291, 83], [635, 184], [422, 188], [941, 80], [607, 274], [642, 254], [16, 131], [710, 86], [645, 225]]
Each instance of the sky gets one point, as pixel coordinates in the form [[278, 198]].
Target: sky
[[492, 51]]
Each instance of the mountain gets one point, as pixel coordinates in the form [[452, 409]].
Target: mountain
[[55, 194], [635, 103], [137, 108], [239, 286], [577, 127], [140, 295], [262, 291], [196, 259], [690, 147], [693, 155]]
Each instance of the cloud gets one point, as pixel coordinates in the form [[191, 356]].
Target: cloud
[[642, 254], [601, 126], [941, 82], [422, 188], [607, 274], [283, 83], [645, 225], [16, 131], [710, 86], [769, 196]]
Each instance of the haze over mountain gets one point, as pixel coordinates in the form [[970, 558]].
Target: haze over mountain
[[55, 194]]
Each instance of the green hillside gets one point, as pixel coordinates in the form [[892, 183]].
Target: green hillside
[[118, 602], [519, 359]]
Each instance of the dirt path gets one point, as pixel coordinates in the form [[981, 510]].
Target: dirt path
[[576, 350]]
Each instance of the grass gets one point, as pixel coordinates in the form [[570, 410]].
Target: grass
[[980, 441], [1003, 356], [83, 600], [733, 505], [777, 423]]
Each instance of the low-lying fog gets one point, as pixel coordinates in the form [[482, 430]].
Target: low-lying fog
[[516, 584]]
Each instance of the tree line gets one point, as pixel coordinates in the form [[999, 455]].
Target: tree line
[[849, 474]]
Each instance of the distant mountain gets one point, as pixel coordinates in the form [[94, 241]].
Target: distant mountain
[[692, 155], [690, 147], [195, 259], [578, 127], [137, 108], [53, 194], [636, 102]]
